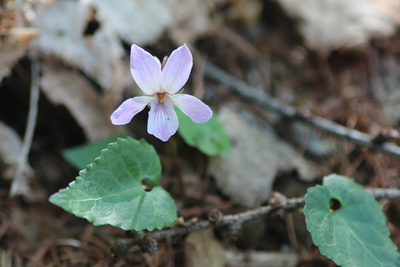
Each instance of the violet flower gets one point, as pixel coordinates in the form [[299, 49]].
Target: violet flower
[[161, 84]]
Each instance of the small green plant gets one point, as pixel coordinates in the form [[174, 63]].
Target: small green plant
[[348, 225], [115, 189], [111, 189], [210, 137]]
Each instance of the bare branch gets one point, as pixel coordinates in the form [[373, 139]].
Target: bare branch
[[384, 193], [319, 123], [30, 128], [278, 203]]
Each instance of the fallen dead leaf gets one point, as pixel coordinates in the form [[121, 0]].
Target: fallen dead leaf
[[247, 174], [203, 249], [66, 87], [13, 45], [143, 22], [10, 149], [246, 11], [67, 32], [99, 55], [330, 24]]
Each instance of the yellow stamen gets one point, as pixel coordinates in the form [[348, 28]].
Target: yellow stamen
[[161, 97]]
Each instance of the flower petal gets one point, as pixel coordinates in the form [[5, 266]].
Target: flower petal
[[193, 107], [177, 70], [146, 70], [163, 121], [129, 108]]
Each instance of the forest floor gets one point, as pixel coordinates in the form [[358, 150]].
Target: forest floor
[[357, 88]]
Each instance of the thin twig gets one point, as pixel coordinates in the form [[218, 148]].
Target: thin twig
[[319, 123], [384, 193], [30, 128], [277, 204]]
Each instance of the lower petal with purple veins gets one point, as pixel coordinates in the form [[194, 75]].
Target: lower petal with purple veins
[[129, 108], [192, 107], [163, 121]]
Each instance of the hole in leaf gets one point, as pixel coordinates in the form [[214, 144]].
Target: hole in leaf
[[147, 184], [92, 25], [334, 204]]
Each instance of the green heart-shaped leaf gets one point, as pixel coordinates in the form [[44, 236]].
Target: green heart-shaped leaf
[[110, 190], [210, 137], [353, 231]]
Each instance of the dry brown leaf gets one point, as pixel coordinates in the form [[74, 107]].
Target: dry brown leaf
[[99, 54], [330, 24], [13, 46], [247, 11], [391, 82], [143, 22], [68, 88], [10, 149], [203, 249], [247, 174]]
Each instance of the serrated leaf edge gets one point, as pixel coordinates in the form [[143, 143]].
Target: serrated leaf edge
[[79, 180]]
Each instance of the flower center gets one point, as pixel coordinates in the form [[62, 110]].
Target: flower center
[[161, 97]]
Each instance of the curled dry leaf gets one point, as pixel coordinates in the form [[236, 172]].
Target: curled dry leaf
[[10, 149], [143, 22], [203, 249], [99, 55], [247, 174], [13, 46], [66, 87], [330, 24], [86, 34]]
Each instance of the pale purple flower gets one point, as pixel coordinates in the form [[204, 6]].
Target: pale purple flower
[[161, 85]]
